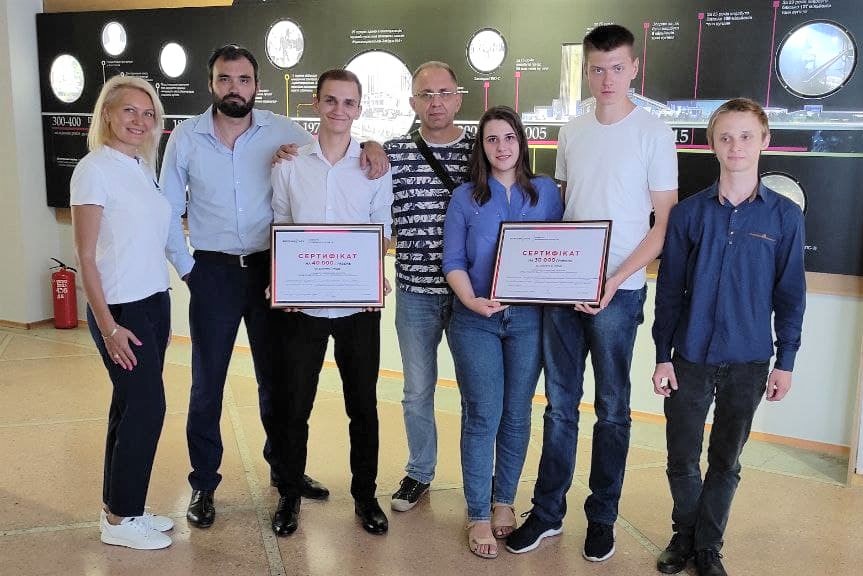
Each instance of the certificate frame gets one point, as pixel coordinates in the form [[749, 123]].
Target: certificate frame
[[565, 252], [342, 265]]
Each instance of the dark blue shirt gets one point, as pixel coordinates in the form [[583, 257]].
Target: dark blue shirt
[[725, 271], [470, 230]]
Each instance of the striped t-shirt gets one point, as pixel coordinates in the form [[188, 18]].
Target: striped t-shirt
[[420, 201]]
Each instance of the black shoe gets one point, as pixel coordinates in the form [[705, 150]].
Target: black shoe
[[599, 542], [675, 556], [286, 517], [314, 490], [311, 489], [201, 511], [408, 494], [528, 536], [372, 517], [707, 563]]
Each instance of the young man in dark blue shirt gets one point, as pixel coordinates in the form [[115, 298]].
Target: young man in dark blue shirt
[[733, 258]]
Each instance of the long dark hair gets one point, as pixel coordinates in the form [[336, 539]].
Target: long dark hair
[[480, 169]]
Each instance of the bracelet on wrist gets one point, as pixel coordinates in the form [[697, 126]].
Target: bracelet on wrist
[[114, 331]]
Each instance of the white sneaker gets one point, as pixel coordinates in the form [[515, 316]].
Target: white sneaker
[[160, 523], [134, 532]]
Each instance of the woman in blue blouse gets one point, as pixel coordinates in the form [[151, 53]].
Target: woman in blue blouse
[[496, 348]]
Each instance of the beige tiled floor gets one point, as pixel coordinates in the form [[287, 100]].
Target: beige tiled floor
[[791, 516]]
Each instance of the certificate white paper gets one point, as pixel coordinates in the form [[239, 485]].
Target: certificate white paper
[[327, 266], [551, 262]]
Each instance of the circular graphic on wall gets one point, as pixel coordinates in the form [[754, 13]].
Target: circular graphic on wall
[[114, 38], [786, 185], [486, 50], [172, 60], [66, 78], [386, 81], [285, 44], [816, 59]]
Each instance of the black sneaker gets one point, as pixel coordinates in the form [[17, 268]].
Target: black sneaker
[[675, 556], [528, 536], [599, 543], [408, 494], [707, 563]]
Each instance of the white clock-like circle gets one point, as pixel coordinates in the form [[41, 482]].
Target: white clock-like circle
[[285, 44], [66, 78], [486, 50], [172, 60], [114, 38]]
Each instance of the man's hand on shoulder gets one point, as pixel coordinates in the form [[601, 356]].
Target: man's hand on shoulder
[[373, 160], [285, 152]]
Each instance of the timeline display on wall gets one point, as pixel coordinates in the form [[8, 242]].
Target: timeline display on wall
[[797, 57]]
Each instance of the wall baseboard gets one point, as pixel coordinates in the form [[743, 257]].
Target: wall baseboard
[[25, 325]]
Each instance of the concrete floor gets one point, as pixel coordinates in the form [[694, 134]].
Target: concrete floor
[[792, 514]]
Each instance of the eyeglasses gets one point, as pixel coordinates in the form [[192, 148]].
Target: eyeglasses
[[427, 97]]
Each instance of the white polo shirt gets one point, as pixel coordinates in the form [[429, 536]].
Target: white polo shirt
[[610, 170], [133, 232], [310, 190]]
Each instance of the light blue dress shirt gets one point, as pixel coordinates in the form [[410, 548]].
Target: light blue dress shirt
[[229, 192]]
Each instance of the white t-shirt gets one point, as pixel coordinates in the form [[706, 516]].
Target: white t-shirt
[[610, 170], [133, 233]]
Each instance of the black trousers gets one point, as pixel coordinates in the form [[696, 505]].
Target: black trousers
[[137, 403], [357, 352], [701, 508]]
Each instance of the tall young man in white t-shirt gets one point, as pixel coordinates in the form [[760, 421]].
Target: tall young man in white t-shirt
[[618, 163]]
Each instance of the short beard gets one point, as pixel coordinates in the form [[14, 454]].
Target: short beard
[[232, 108]]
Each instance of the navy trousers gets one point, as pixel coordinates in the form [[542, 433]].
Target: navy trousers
[[137, 402], [222, 293]]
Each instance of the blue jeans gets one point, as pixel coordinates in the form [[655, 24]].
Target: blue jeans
[[568, 336], [497, 364], [701, 508], [421, 320]]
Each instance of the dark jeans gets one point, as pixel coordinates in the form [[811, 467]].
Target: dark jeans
[[303, 345], [137, 402], [701, 507], [222, 294], [568, 336]]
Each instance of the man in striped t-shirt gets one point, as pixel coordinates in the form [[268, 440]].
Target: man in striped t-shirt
[[423, 299]]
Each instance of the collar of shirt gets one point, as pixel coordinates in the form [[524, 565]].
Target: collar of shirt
[[314, 149], [761, 192], [516, 199], [121, 157], [205, 123]]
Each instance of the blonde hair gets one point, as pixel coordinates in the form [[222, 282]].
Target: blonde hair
[[100, 131], [738, 105]]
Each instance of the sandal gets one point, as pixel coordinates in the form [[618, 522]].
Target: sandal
[[475, 542], [502, 520]]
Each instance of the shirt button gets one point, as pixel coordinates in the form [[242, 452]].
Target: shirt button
[[732, 232]]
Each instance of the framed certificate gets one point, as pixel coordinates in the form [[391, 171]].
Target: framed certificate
[[327, 266], [551, 262]]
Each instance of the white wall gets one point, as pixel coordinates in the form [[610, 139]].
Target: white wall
[[28, 231]]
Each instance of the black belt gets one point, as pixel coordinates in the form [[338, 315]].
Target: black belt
[[242, 260]]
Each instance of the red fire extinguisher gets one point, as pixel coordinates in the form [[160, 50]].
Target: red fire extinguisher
[[65, 299]]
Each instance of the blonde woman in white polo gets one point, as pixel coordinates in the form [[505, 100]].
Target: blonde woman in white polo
[[120, 221]]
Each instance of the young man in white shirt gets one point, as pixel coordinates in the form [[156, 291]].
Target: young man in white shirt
[[324, 184], [618, 163]]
